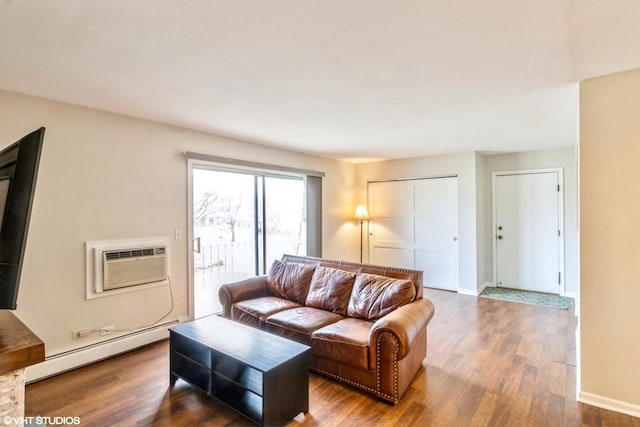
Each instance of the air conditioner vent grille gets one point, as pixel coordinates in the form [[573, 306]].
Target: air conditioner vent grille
[[131, 267], [133, 253]]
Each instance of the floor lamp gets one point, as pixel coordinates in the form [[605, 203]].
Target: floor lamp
[[361, 215]]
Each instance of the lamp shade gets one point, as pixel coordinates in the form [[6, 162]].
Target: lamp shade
[[361, 213]]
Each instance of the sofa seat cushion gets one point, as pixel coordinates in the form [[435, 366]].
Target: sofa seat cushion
[[255, 311], [299, 323], [330, 289], [346, 341], [374, 296]]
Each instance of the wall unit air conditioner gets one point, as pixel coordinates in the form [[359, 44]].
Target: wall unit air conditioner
[[119, 266], [131, 267]]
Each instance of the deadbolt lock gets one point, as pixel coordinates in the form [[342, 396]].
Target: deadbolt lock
[[499, 237]]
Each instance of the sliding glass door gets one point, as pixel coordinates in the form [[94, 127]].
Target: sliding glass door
[[242, 221]]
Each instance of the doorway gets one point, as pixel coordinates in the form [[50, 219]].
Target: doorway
[[528, 235], [241, 222]]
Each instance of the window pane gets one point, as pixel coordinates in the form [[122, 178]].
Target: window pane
[[286, 227]]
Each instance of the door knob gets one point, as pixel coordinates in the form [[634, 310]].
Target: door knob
[[500, 237], [455, 239]]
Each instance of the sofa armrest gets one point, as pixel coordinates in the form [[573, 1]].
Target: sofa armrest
[[230, 293], [405, 323]]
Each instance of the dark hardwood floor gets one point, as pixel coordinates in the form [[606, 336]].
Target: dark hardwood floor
[[489, 363]]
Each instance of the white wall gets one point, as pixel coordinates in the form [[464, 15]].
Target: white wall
[[565, 159], [482, 222], [609, 238], [464, 166], [105, 176]]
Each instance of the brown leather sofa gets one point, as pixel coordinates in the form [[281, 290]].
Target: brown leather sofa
[[366, 324]]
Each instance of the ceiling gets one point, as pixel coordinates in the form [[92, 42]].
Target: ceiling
[[349, 79]]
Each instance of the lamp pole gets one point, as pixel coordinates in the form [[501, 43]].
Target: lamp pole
[[361, 221], [361, 215]]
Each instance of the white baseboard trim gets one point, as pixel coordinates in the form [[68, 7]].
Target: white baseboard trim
[[73, 359], [570, 295], [476, 292], [609, 404]]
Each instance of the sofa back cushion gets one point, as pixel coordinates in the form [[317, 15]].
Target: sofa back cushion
[[395, 272], [374, 296], [290, 280], [330, 289]]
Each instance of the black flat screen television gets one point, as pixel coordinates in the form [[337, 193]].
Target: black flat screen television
[[18, 171]]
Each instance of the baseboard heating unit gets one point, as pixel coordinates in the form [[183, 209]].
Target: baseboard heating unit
[[67, 360]]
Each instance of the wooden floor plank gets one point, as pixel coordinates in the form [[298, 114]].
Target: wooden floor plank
[[489, 363]]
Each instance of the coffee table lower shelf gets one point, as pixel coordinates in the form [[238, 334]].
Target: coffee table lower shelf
[[262, 376]]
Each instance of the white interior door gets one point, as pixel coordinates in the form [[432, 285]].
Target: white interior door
[[414, 224], [435, 231], [527, 231], [390, 224]]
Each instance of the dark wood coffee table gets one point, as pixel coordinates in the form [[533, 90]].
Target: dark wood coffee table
[[262, 376]]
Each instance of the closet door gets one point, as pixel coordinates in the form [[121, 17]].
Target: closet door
[[435, 231], [414, 224], [390, 227]]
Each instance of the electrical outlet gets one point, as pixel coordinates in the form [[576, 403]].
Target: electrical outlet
[[178, 234], [80, 333], [107, 330]]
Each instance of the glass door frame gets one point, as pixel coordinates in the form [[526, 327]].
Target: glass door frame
[[193, 164]]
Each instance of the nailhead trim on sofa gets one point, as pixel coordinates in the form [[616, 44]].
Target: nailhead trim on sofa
[[393, 398], [344, 380]]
